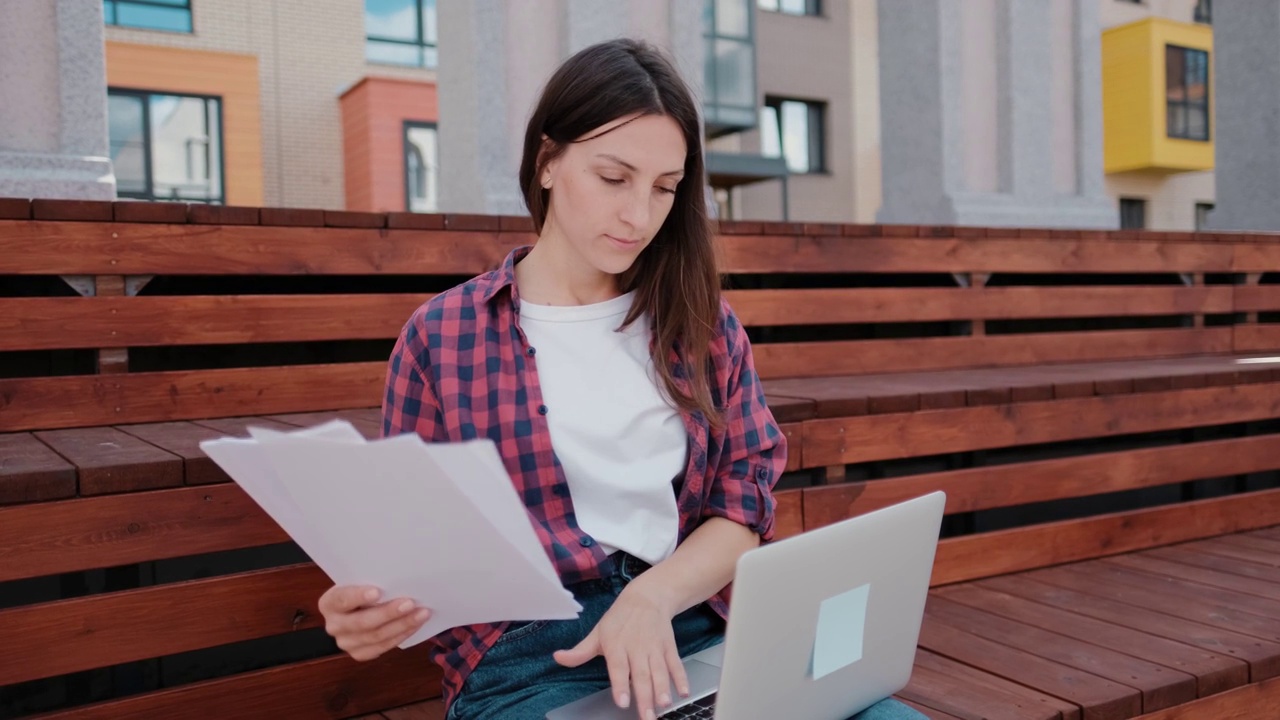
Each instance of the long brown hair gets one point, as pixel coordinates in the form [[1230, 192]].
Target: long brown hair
[[676, 279]]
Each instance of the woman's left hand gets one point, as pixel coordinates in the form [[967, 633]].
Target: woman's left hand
[[638, 643]]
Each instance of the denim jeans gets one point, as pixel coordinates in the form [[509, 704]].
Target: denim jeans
[[518, 678]]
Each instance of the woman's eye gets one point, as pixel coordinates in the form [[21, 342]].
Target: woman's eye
[[669, 191], [612, 181]]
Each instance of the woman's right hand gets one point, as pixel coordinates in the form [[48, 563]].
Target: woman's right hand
[[364, 627]]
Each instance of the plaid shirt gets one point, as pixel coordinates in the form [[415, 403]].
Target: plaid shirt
[[463, 369]]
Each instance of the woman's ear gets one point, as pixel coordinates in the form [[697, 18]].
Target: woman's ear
[[546, 174]]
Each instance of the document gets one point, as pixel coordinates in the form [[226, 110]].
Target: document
[[440, 523]]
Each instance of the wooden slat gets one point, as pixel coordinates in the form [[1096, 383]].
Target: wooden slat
[[1263, 656], [794, 433], [332, 687], [994, 553], [144, 397], [1254, 257], [183, 439], [113, 628], [92, 248], [1161, 686], [827, 442], [797, 254], [890, 305], [1252, 541], [1268, 558], [788, 514], [1243, 703], [851, 357], [1203, 576], [357, 418], [429, 710], [1214, 672], [71, 535], [94, 322], [1257, 298], [968, 692], [109, 461], [1184, 555], [788, 409], [31, 472], [1098, 697], [239, 426], [1256, 338], [984, 488]]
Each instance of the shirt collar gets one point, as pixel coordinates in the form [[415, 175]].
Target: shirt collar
[[505, 277]]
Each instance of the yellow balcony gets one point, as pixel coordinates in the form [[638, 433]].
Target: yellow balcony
[[1156, 96]]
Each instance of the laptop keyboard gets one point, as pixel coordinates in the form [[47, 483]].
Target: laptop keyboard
[[704, 709]]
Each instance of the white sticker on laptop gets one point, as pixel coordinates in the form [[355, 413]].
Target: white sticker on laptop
[[842, 620]]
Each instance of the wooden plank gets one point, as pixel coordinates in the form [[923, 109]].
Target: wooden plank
[[1183, 555], [1214, 672], [1263, 657], [1256, 298], [788, 513], [429, 710], [109, 461], [1256, 338], [95, 248], [967, 692], [984, 488], [1266, 545], [794, 432], [1253, 555], [1243, 703], [852, 357], [31, 472], [1161, 686], [928, 712], [183, 439], [995, 553], [1203, 576], [331, 687], [1214, 607], [82, 534], [370, 430], [144, 397], [1254, 257], [978, 428], [1098, 697], [93, 322], [833, 306], [119, 627], [239, 426], [799, 254]]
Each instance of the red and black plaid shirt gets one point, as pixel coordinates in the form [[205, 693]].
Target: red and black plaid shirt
[[463, 369]]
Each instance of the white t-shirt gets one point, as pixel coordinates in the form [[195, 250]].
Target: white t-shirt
[[620, 442]]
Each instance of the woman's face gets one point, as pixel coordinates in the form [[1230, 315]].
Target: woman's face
[[611, 194]]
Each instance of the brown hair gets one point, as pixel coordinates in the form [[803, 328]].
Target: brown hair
[[676, 279]]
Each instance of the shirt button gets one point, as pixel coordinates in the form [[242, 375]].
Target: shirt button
[[542, 409], [532, 351], [586, 542]]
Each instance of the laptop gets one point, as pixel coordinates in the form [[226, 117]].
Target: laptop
[[822, 625]]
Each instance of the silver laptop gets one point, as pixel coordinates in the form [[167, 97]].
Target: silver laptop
[[822, 625]]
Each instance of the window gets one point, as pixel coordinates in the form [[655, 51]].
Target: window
[[792, 7], [149, 14], [420, 167], [166, 147], [794, 129], [1202, 215], [1187, 92], [401, 32], [1133, 214], [730, 66], [1203, 12]]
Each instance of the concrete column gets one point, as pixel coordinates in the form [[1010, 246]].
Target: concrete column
[[972, 132], [1245, 102], [53, 101], [495, 56]]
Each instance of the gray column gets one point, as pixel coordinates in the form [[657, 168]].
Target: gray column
[[942, 161], [1245, 98], [53, 101], [495, 56]]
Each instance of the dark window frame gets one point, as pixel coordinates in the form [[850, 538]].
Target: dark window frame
[[1188, 104], [1202, 214], [110, 8], [1203, 12], [817, 110], [405, 145], [1131, 207], [149, 181], [711, 35], [420, 43]]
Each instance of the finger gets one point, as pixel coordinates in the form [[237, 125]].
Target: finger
[[619, 678], [345, 598], [406, 625], [661, 681], [580, 653], [642, 686], [679, 677], [369, 652], [361, 623]]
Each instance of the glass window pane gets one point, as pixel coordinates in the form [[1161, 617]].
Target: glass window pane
[[391, 19], [770, 5], [1197, 122], [127, 144], [1177, 119], [213, 121], [794, 7], [429, 28], [732, 19], [153, 18], [735, 83], [109, 11], [421, 169], [181, 149], [795, 136], [770, 137], [1175, 73], [393, 53]]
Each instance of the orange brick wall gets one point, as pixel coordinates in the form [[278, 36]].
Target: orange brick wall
[[374, 111]]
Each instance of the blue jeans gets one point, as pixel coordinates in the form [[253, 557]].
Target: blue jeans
[[518, 678]]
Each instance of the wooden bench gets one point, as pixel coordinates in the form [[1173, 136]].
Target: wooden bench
[[1082, 397]]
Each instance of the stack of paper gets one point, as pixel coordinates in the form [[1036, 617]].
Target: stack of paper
[[440, 523]]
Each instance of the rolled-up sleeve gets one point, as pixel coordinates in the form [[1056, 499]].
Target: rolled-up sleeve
[[409, 402], [753, 449]]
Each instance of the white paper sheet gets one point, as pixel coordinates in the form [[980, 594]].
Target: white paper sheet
[[439, 523]]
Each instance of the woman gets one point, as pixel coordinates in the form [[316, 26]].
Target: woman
[[622, 396]]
